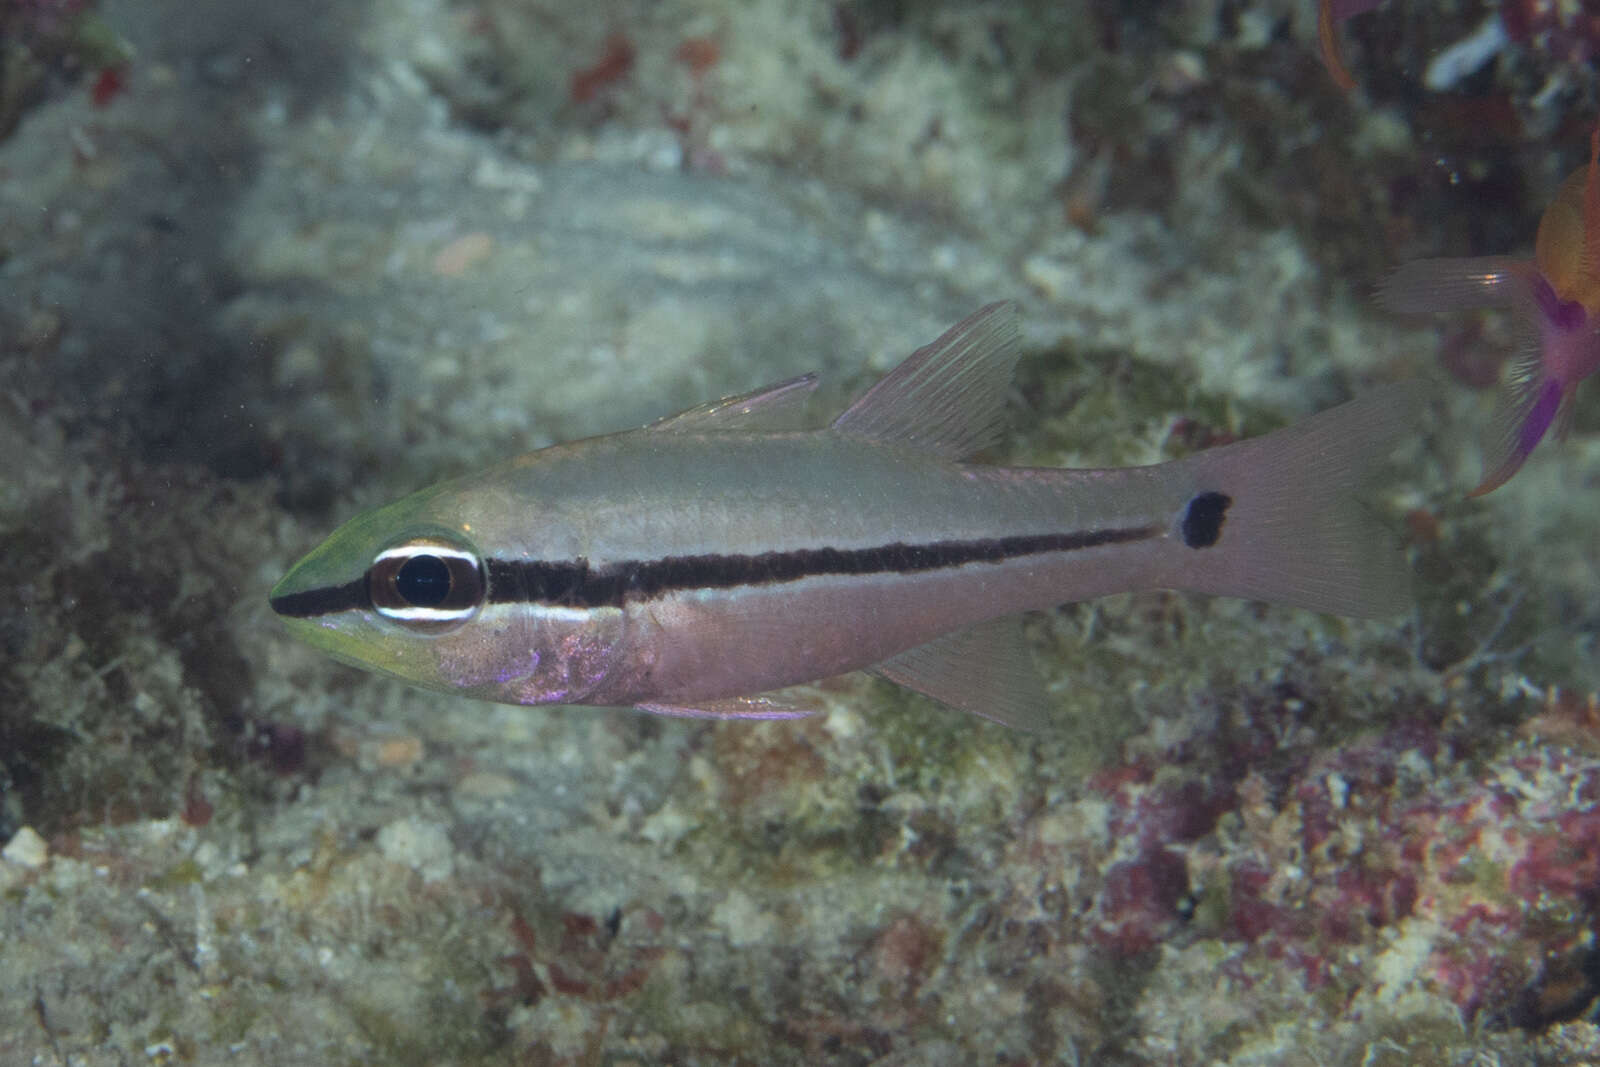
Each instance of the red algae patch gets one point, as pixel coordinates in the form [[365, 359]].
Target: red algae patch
[[1483, 877]]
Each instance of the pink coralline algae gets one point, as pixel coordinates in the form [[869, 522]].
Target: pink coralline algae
[[1564, 30], [1143, 896], [42, 18], [1317, 861]]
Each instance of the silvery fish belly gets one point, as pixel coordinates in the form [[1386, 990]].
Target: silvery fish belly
[[696, 565]]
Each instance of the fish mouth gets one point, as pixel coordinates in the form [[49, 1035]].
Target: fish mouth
[[326, 581], [293, 600]]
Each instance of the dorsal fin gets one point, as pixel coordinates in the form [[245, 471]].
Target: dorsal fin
[[772, 407], [946, 397]]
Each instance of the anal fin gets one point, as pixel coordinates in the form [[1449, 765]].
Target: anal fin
[[984, 669], [761, 706]]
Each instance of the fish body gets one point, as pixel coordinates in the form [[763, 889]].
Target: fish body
[[1557, 295], [694, 565]]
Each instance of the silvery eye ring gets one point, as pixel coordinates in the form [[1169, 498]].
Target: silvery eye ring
[[425, 582]]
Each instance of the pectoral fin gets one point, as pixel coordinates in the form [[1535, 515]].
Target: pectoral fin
[[984, 669], [1425, 285]]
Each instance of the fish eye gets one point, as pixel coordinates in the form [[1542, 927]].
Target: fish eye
[[427, 584]]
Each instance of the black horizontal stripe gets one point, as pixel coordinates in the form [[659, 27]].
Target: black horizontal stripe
[[328, 600], [574, 583]]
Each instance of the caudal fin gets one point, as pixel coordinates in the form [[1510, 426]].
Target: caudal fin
[[1278, 517]]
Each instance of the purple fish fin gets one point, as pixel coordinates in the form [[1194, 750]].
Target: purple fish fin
[[763, 706], [947, 397], [984, 669], [1456, 284], [1527, 404], [1279, 517], [1563, 423], [781, 406]]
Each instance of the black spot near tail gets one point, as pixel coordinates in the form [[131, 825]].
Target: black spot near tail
[[1202, 522]]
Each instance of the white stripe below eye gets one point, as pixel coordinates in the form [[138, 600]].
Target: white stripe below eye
[[543, 612], [414, 614]]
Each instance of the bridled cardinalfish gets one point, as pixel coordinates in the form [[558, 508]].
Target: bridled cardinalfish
[[695, 565], [1558, 296]]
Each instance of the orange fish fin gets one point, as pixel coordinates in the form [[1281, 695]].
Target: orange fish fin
[[1328, 42], [1591, 208]]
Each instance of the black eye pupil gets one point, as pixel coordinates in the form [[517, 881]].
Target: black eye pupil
[[423, 581], [427, 585]]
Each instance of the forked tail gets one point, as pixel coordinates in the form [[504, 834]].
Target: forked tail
[[1278, 517]]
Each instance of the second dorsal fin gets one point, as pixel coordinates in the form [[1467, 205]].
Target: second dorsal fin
[[946, 397]]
